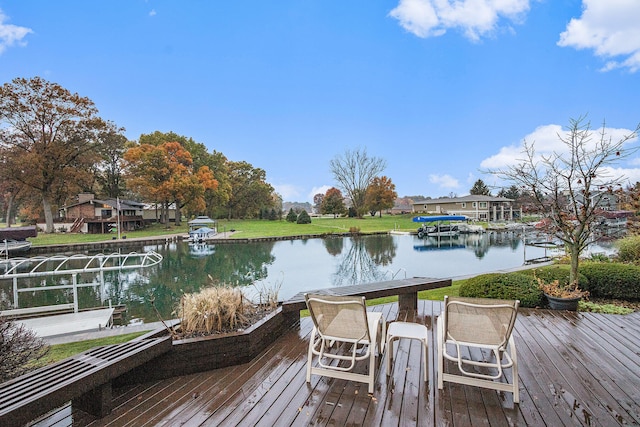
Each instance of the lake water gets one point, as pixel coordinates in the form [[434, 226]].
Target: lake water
[[291, 266]]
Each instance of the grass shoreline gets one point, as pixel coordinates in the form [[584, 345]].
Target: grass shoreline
[[248, 229]]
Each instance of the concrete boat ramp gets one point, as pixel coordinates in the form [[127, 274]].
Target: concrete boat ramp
[[72, 323]]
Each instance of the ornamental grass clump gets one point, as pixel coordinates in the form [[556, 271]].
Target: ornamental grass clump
[[212, 309]]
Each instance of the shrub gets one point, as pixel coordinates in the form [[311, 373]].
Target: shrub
[[612, 280], [20, 347], [559, 272], [603, 308], [291, 216], [504, 286], [304, 218], [629, 249], [599, 258]]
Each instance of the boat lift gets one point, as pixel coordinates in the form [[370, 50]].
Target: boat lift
[[71, 265]]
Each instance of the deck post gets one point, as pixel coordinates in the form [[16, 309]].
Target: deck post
[[97, 401], [408, 301]]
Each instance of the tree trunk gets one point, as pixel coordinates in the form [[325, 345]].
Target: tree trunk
[[178, 214], [165, 214], [9, 209], [48, 215], [573, 274]]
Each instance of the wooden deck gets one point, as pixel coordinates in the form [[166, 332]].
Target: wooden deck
[[576, 370]]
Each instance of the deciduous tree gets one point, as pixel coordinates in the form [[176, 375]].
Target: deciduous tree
[[108, 173], [249, 190], [381, 195], [568, 184], [216, 198], [164, 174], [317, 202], [354, 171], [20, 347], [333, 202], [48, 139]]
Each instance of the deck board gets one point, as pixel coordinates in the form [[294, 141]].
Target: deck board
[[576, 369]]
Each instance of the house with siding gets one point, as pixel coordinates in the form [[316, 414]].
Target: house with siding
[[607, 201], [93, 216], [477, 207]]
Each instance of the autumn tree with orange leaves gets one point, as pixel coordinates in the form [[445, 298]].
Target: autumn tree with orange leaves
[[164, 173], [333, 202], [217, 197], [381, 194], [49, 139]]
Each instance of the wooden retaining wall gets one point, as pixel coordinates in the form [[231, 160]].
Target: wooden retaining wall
[[201, 354]]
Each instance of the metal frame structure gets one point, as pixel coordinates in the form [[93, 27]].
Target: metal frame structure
[[66, 265]]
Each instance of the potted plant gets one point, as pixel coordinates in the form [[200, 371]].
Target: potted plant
[[562, 297]]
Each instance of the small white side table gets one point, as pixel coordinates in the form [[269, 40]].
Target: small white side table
[[410, 330]]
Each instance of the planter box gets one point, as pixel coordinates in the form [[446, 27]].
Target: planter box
[[200, 354], [570, 304]]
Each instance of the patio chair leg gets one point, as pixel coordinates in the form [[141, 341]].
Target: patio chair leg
[[310, 355], [440, 370], [389, 357]]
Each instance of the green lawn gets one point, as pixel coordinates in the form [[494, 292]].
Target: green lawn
[[325, 225], [245, 229], [62, 351], [67, 238]]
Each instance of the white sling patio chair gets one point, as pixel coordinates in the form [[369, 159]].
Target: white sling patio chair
[[343, 333], [471, 324]]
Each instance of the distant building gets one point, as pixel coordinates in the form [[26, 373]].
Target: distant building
[[151, 212], [401, 206], [478, 207], [93, 216], [603, 200]]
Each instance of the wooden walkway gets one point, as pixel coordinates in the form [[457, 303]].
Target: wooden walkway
[[577, 369]]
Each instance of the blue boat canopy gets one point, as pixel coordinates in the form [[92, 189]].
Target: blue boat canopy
[[439, 218]]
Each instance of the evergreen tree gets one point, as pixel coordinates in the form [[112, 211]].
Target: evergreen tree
[[510, 193], [304, 218], [480, 189], [291, 216]]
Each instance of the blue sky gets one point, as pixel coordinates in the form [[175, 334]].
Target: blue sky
[[440, 89]]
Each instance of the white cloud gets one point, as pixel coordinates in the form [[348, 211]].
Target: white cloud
[[631, 175], [11, 35], [315, 190], [475, 18], [471, 178], [289, 192], [546, 140], [444, 181], [611, 29], [153, 12]]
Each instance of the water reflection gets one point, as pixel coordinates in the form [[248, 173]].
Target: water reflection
[[294, 265], [478, 243], [362, 261]]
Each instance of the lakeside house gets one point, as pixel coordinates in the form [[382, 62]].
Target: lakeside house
[[476, 207], [93, 216]]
